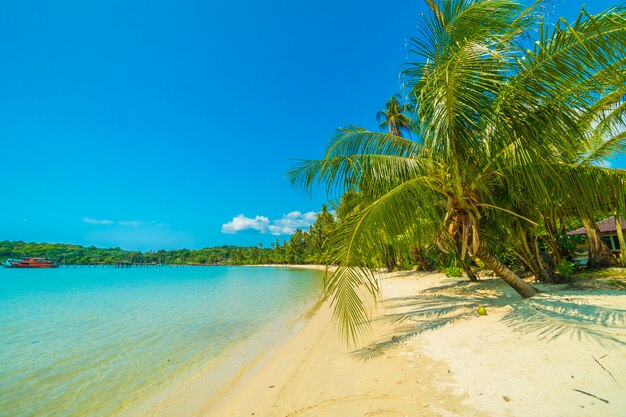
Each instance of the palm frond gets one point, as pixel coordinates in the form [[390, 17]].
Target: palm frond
[[565, 62], [507, 137], [357, 245], [580, 189], [357, 141], [607, 148], [607, 138]]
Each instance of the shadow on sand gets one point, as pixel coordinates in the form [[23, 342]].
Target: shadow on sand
[[557, 312]]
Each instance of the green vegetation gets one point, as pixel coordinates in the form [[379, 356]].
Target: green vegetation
[[304, 247], [508, 119], [565, 268], [80, 255], [453, 272]]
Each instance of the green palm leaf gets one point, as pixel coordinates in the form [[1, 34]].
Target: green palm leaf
[[506, 137]]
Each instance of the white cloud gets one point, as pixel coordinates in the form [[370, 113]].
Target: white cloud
[[133, 223], [242, 223], [289, 223], [125, 223], [95, 221], [286, 225]]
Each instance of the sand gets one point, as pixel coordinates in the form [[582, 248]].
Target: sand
[[559, 354]]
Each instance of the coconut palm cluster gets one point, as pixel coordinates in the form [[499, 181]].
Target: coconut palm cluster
[[499, 131]]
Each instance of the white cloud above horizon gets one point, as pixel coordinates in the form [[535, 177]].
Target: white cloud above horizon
[[133, 223], [128, 223], [242, 223], [289, 223], [104, 222], [286, 225]]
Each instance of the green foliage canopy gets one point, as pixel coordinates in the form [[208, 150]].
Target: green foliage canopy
[[501, 104]]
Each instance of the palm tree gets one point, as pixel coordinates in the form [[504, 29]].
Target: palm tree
[[396, 121], [394, 117], [495, 123], [606, 139]]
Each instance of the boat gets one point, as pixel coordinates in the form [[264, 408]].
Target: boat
[[8, 263], [29, 263]]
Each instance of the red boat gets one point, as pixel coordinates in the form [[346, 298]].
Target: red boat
[[31, 263]]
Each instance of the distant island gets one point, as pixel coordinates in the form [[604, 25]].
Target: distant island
[[65, 254], [304, 247]]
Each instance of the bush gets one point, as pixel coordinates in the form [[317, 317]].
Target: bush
[[405, 264], [565, 267], [453, 272]]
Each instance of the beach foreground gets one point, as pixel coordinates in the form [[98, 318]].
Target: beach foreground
[[562, 353]]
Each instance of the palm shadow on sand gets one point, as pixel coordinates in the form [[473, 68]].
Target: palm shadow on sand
[[557, 312]]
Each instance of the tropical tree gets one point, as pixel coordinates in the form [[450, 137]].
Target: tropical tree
[[395, 120], [606, 139], [495, 125], [394, 117], [318, 235]]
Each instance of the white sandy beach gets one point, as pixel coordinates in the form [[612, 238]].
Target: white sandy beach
[[549, 356]]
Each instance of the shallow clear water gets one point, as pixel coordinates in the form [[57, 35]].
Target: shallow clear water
[[97, 341]]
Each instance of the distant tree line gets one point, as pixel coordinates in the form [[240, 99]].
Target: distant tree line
[[304, 247]]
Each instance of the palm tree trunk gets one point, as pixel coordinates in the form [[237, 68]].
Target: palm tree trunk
[[389, 255], [545, 274], [620, 238], [531, 258], [557, 250], [468, 271], [536, 265], [420, 259], [522, 287], [599, 253]]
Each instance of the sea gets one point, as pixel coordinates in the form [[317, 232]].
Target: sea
[[102, 341]]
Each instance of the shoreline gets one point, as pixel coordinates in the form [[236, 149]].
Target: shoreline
[[446, 363], [201, 389], [502, 364], [316, 373], [313, 267]]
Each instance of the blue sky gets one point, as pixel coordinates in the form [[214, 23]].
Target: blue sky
[[169, 124]]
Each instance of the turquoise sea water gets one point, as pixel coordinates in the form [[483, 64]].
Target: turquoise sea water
[[98, 341]]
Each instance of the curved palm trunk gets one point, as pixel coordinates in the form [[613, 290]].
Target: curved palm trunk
[[522, 287], [468, 271], [599, 253], [536, 266], [531, 258], [541, 274]]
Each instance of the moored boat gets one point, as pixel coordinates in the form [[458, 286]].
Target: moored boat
[[8, 263], [29, 263]]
